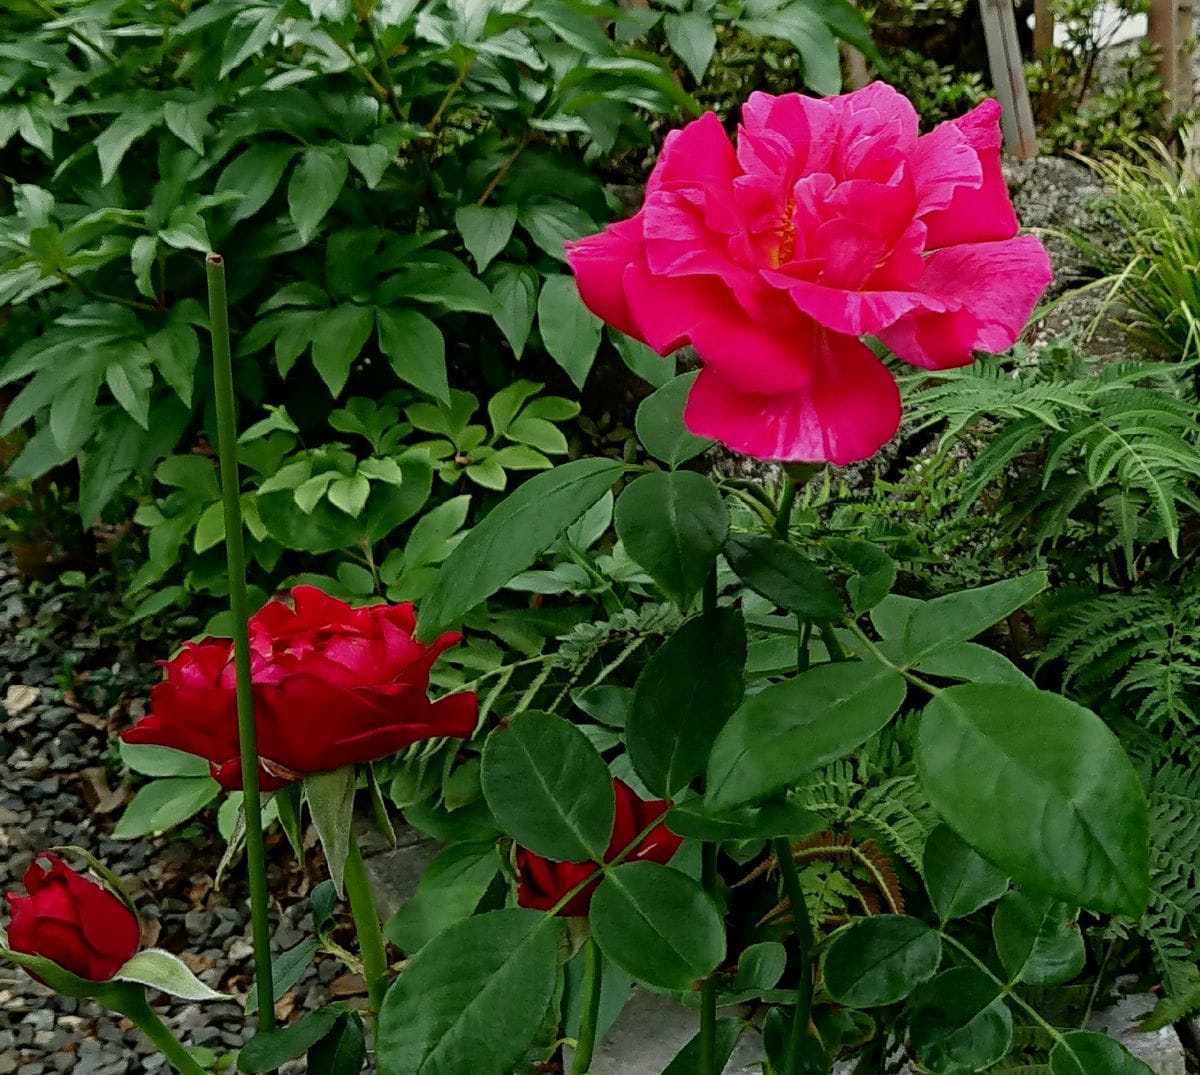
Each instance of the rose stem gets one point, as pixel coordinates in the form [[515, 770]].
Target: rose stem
[[366, 923], [592, 984], [709, 879], [805, 941], [256, 858], [132, 1004]]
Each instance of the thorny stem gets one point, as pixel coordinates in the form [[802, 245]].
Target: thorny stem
[[239, 609]]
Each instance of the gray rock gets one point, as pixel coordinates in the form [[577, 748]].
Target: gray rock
[[395, 872], [1160, 1050]]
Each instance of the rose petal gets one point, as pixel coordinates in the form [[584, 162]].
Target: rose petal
[[989, 291], [599, 263], [851, 408], [983, 213]]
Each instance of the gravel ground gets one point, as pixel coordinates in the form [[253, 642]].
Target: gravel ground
[[56, 735]]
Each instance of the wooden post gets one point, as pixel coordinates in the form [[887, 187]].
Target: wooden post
[[1184, 81], [1008, 77], [1043, 28], [1164, 34]]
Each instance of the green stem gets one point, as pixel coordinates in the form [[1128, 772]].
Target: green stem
[[132, 1004], [709, 596], [371, 944], [589, 1021], [806, 940], [256, 857], [869, 645], [787, 501], [836, 653], [708, 993], [384, 69]]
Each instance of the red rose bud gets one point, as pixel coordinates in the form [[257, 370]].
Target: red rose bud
[[71, 921], [333, 686], [543, 883]]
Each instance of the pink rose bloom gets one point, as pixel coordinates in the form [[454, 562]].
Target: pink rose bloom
[[830, 220]]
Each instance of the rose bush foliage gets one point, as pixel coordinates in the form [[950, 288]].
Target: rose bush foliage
[[828, 221], [333, 686], [543, 883]]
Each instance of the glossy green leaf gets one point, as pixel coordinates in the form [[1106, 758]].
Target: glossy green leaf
[[472, 1000], [765, 822], [514, 290], [685, 694], [934, 625], [416, 350], [672, 524], [548, 788], [1083, 1053], [167, 972], [287, 968], [510, 538], [693, 39], [163, 804], [570, 331], [315, 185], [657, 924], [791, 728], [338, 339], [880, 960], [342, 1051], [1039, 786], [255, 176], [784, 576], [1038, 939], [973, 663], [449, 890], [485, 230], [659, 423], [687, 1061], [960, 1023], [960, 881], [270, 1048]]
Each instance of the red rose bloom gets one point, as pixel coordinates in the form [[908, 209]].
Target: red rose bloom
[[544, 883], [71, 921], [333, 686]]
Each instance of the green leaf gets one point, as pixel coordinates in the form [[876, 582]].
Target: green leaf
[[168, 973], [683, 698], [973, 663], [657, 924], [811, 37], [609, 703], [152, 760], [473, 999], [337, 341], [287, 969], [960, 1023], [163, 804], [371, 162], [114, 141], [935, 625], [1083, 1053], [880, 960], [515, 294], [688, 1060], [314, 187], [570, 331], [416, 349], [693, 39], [268, 1049], [1038, 940], [552, 222], [510, 538], [691, 820], [188, 120], [449, 891], [175, 350], [255, 175], [342, 1051], [791, 728], [485, 230], [129, 379], [959, 880], [142, 256], [672, 524], [1038, 785], [331, 802], [784, 576], [874, 571], [659, 423], [642, 360], [350, 494], [548, 788]]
